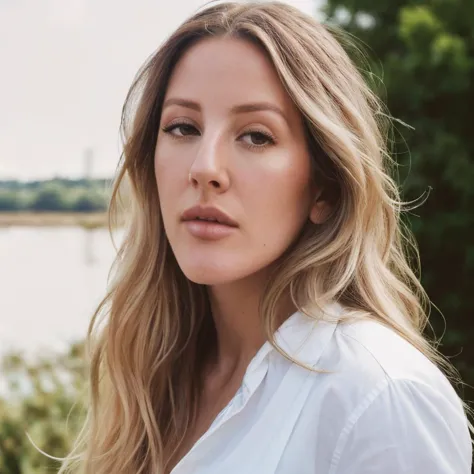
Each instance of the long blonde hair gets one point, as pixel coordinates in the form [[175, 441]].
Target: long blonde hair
[[145, 360]]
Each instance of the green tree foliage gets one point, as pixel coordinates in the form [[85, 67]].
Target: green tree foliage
[[89, 202], [10, 201], [50, 198], [424, 54]]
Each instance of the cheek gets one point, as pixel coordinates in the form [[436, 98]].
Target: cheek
[[170, 167], [281, 191], [168, 176], [278, 202], [162, 160]]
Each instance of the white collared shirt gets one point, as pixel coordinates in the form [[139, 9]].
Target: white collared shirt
[[384, 408]]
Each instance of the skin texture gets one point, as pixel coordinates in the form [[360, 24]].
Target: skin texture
[[252, 164]]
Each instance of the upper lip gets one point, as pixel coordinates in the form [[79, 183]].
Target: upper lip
[[208, 212]]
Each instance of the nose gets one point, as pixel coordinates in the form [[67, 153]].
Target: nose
[[209, 168]]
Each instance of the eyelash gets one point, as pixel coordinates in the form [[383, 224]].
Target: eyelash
[[271, 139]]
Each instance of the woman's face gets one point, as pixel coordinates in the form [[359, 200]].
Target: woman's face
[[230, 139]]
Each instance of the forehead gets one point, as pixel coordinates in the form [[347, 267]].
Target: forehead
[[228, 71]]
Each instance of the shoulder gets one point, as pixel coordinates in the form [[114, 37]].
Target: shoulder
[[380, 391], [365, 359], [380, 352], [359, 355]]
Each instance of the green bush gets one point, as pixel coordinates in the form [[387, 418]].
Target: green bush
[[40, 400]]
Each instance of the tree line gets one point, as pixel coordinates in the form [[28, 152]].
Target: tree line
[[55, 195]]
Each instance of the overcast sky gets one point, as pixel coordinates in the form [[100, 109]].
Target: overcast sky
[[66, 66]]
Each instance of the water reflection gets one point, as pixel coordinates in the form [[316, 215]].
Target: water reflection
[[89, 257], [51, 280]]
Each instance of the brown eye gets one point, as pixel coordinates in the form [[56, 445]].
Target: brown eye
[[181, 130], [186, 129], [257, 139]]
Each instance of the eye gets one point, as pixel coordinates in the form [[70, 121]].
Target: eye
[[179, 130], [257, 139]]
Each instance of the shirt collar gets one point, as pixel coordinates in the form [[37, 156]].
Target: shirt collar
[[302, 337]]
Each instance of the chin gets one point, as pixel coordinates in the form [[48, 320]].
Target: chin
[[216, 270], [214, 266], [208, 275]]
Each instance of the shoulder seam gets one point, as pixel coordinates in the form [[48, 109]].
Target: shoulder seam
[[352, 420]]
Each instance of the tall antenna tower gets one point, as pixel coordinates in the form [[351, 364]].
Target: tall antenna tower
[[88, 163]]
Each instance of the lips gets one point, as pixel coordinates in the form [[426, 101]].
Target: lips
[[208, 214]]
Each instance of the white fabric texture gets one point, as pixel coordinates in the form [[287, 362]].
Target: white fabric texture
[[382, 408]]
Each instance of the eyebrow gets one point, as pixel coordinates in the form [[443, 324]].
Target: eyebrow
[[237, 109]]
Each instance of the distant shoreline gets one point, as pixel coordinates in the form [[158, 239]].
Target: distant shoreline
[[90, 220]]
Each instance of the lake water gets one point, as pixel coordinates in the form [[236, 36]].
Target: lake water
[[51, 280]]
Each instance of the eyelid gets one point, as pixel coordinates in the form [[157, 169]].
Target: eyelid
[[180, 121], [271, 137]]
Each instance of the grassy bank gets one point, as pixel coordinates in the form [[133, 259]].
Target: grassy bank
[[53, 219]]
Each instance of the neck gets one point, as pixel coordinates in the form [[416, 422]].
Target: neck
[[235, 310]]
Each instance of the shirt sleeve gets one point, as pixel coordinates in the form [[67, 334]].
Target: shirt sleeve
[[406, 427]]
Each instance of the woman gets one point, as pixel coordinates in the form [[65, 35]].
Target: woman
[[263, 317]]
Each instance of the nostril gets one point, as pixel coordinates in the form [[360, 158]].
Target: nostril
[[196, 181]]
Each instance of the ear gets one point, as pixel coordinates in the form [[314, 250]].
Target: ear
[[320, 209]]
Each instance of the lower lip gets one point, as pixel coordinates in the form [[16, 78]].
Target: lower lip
[[209, 230]]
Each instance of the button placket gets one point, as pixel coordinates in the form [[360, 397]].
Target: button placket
[[254, 375]]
